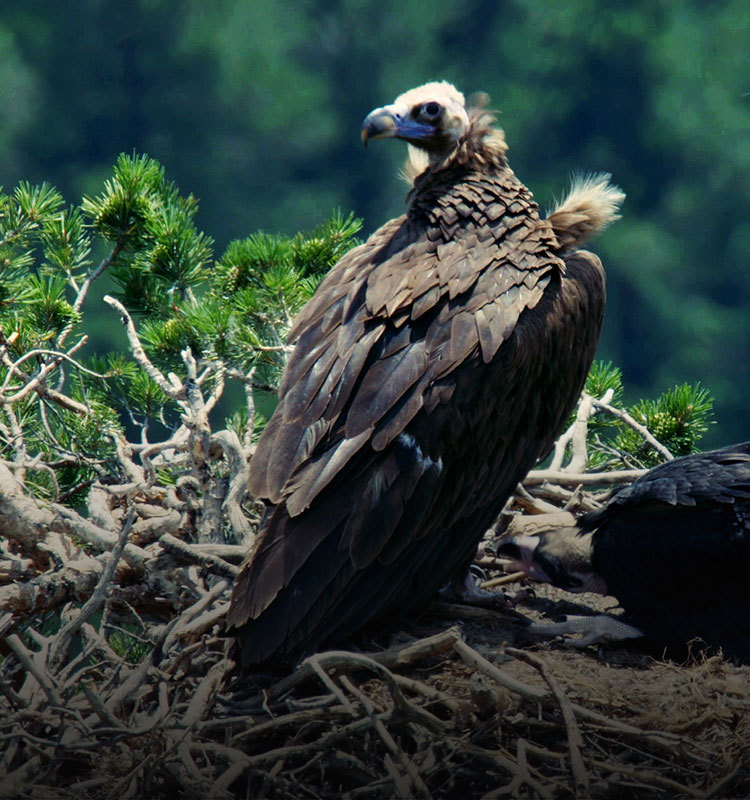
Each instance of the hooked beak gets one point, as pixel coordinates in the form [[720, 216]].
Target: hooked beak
[[530, 556], [521, 550], [388, 123]]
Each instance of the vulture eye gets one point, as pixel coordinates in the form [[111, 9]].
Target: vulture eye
[[431, 110]]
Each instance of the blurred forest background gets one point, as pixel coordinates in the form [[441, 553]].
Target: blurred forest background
[[254, 107]]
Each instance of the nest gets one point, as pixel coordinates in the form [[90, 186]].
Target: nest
[[136, 695]]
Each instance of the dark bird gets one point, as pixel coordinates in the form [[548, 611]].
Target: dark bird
[[433, 367], [673, 548]]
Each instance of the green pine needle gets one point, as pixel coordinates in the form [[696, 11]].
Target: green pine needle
[[602, 377]]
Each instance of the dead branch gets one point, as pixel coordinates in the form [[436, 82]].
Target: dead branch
[[239, 470], [537, 476], [534, 524], [77, 578], [648, 437], [30, 665], [575, 740], [192, 555], [575, 436], [139, 353], [94, 603], [393, 658], [474, 659], [532, 504], [74, 524]]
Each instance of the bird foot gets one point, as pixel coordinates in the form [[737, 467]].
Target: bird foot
[[599, 629], [469, 592]]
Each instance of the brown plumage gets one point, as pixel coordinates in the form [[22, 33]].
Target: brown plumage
[[433, 367]]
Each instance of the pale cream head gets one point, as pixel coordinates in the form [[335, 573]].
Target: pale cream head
[[431, 118]]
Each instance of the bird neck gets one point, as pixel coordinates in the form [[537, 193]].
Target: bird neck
[[432, 188], [482, 146]]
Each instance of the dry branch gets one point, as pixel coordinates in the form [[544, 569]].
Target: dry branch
[[194, 556], [636, 426], [575, 740], [620, 476], [139, 353]]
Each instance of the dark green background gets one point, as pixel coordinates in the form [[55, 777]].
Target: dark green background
[[255, 108]]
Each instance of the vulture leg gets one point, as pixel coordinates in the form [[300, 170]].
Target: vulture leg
[[468, 591]]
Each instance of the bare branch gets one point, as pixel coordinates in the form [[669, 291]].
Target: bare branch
[[623, 415], [50, 590], [239, 471], [537, 476], [94, 603], [35, 383], [59, 356], [101, 539], [140, 354], [206, 560], [82, 293], [576, 434], [20, 651], [575, 740]]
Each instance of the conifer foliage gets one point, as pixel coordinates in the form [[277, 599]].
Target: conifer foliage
[[677, 418], [228, 318]]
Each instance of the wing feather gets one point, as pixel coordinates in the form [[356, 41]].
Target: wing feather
[[345, 387], [385, 382], [315, 474], [397, 418], [360, 375], [301, 395]]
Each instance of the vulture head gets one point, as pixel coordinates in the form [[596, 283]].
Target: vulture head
[[436, 122], [561, 557]]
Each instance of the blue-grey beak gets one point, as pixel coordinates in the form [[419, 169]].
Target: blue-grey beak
[[385, 122]]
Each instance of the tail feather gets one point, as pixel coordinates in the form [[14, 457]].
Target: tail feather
[[592, 204]]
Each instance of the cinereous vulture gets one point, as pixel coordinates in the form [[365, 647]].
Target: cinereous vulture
[[433, 367], [673, 548]]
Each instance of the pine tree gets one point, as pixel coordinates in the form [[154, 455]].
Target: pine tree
[[677, 418], [228, 318]]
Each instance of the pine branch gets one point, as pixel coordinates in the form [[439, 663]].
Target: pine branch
[[82, 293], [37, 384], [169, 389]]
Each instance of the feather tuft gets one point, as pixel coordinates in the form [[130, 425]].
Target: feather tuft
[[592, 204]]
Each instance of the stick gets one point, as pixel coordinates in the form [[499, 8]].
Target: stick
[[204, 559], [511, 577], [537, 476], [407, 763], [23, 655], [636, 426], [575, 740], [140, 354], [205, 693], [239, 471], [62, 641], [393, 658], [470, 656]]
